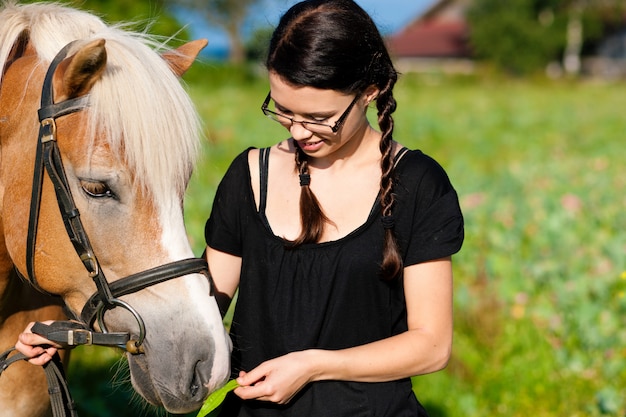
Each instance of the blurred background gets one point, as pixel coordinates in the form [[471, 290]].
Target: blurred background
[[522, 103]]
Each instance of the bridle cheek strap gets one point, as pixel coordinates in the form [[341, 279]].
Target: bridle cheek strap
[[48, 113]]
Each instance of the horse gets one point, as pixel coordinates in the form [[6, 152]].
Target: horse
[[98, 140]]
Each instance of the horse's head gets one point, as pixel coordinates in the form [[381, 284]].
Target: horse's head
[[126, 153]]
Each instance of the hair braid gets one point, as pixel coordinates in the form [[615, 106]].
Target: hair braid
[[312, 218], [386, 105]]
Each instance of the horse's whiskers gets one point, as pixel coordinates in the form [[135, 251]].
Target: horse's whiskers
[[142, 406], [121, 373]]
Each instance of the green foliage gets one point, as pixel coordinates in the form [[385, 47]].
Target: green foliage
[[514, 35], [213, 403], [142, 14], [524, 36], [258, 45], [99, 383], [540, 284], [152, 14]]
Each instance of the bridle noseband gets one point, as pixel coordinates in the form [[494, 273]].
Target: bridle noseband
[[107, 295]]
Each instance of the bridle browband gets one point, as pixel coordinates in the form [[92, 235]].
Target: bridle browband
[[107, 295]]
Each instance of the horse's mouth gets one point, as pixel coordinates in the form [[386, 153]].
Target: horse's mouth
[[180, 398]]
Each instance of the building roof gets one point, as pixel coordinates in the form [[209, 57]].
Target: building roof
[[440, 32]]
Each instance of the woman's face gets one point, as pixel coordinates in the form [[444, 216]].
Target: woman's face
[[308, 104]]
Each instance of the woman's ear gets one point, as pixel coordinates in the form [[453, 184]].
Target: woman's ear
[[371, 94]]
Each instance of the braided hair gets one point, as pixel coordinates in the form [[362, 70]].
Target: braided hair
[[335, 45]]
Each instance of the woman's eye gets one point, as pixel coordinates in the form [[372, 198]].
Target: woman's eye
[[284, 112], [96, 189]]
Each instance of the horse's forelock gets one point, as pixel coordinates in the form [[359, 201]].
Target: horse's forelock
[[144, 111], [139, 104]]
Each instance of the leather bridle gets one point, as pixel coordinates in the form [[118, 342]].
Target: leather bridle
[[107, 295]]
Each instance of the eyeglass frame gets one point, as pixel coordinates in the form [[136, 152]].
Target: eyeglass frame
[[335, 127]]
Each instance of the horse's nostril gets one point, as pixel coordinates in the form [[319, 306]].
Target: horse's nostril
[[201, 374], [193, 389]]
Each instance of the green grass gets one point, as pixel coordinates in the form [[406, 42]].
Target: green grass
[[540, 319]]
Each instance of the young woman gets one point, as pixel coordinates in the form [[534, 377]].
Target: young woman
[[338, 239]]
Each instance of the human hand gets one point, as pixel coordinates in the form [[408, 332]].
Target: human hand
[[39, 349], [277, 380]]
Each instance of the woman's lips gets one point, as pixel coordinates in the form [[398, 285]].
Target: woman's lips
[[310, 145]]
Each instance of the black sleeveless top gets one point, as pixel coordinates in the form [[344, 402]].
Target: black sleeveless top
[[328, 295]]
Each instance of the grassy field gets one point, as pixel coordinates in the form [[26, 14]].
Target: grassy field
[[541, 280]]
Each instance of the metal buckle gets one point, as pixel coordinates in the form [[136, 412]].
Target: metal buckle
[[79, 337], [52, 133]]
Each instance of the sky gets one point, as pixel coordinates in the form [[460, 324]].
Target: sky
[[389, 15]]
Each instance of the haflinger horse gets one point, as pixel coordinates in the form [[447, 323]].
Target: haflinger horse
[[98, 139]]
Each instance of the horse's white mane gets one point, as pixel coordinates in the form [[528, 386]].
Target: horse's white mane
[[138, 101]]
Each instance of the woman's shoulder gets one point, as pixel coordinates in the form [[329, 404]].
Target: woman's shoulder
[[280, 152], [238, 169], [416, 164], [248, 159], [242, 157]]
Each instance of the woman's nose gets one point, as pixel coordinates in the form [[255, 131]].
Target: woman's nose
[[299, 132]]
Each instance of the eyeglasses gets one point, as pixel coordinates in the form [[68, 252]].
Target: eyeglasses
[[316, 127]]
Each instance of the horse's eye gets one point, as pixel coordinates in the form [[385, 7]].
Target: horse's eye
[[96, 189]]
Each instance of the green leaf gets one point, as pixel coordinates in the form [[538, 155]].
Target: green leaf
[[215, 399]]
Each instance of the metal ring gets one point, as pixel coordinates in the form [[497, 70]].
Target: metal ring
[[116, 302]]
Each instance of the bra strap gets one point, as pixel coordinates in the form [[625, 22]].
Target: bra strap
[[399, 155], [264, 160]]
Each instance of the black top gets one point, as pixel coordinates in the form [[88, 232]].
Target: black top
[[329, 295]]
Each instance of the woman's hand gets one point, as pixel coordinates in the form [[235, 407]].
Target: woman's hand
[[39, 349], [277, 380]]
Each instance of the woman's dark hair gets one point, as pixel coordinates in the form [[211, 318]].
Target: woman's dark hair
[[335, 45]]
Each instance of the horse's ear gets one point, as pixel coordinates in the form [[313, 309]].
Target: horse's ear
[[76, 74], [181, 58], [18, 50]]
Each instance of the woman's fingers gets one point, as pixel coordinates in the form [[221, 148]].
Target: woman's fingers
[[39, 349]]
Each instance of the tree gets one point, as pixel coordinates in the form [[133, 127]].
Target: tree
[[523, 36], [520, 36], [152, 14], [227, 14], [258, 45], [587, 19]]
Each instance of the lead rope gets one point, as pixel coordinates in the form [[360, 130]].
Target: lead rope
[[61, 400], [70, 334]]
